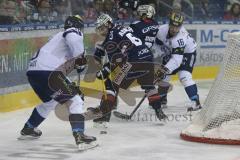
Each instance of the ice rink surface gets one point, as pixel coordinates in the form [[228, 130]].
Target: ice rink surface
[[143, 138]]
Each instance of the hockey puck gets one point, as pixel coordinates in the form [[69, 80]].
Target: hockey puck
[[103, 132]]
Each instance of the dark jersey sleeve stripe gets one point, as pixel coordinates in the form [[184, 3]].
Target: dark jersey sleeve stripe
[[71, 31], [159, 42]]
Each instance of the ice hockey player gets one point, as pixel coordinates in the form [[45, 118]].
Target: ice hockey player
[[121, 48], [47, 75], [146, 27], [179, 57]]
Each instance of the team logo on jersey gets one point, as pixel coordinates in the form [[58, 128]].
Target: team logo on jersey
[[111, 46]]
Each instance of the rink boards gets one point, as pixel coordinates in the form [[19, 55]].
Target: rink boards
[[25, 99], [20, 45]]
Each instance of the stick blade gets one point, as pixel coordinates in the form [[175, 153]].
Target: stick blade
[[121, 115]]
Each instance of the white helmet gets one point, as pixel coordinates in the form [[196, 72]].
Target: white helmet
[[147, 10], [103, 19], [102, 24]]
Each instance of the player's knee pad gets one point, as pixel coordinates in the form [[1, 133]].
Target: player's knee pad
[[185, 78], [164, 88], [45, 108], [76, 105], [107, 103], [153, 97]]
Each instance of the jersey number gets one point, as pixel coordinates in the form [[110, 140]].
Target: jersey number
[[136, 41], [180, 42]]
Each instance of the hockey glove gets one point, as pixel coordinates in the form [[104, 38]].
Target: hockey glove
[[80, 64], [119, 59], [161, 72], [104, 73], [81, 61], [80, 69]]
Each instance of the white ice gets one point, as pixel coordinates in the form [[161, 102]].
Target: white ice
[[140, 139]]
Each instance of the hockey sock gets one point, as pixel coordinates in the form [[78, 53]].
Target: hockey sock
[[77, 122], [35, 119], [155, 101], [192, 92]]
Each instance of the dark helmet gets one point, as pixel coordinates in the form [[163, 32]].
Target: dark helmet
[[176, 19], [75, 21]]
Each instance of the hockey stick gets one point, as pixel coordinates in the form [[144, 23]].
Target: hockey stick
[[128, 117], [79, 78], [78, 84], [62, 110]]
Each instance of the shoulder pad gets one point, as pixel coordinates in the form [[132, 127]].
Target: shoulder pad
[[72, 30]]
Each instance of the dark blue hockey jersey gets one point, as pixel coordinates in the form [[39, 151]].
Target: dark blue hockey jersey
[[120, 40], [146, 30]]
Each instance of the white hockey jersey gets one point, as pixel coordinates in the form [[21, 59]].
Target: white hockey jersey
[[182, 41], [59, 53]]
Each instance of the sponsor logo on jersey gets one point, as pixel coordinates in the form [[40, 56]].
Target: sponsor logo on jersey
[[147, 29]]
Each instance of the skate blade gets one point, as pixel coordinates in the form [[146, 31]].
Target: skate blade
[[86, 146], [27, 137], [191, 109]]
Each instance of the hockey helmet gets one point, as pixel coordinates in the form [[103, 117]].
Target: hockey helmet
[[176, 19], [75, 21], [146, 10], [102, 23]]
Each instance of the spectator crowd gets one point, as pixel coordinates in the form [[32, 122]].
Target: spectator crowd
[[52, 11]]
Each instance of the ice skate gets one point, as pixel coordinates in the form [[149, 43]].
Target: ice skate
[[164, 102], [194, 106], [84, 142], [28, 133], [160, 114]]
